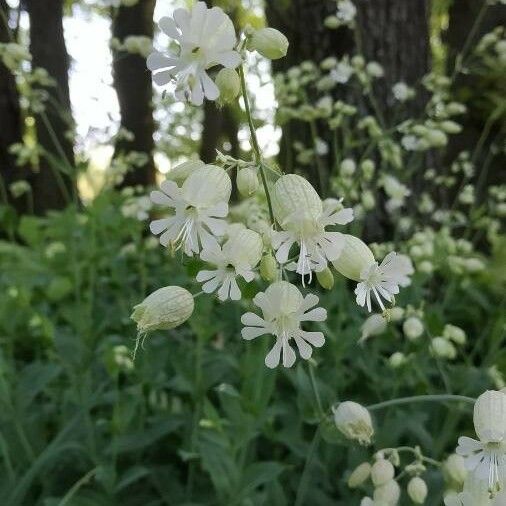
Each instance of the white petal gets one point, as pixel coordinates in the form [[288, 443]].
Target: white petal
[[158, 226], [249, 333], [252, 319], [162, 78], [318, 314], [289, 356], [157, 61], [205, 276], [168, 26], [305, 351], [316, 339], [272, 358], [229, 59], [211, 91], [212, 285]]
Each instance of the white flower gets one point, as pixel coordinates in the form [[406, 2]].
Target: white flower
[[206, 38], [346, 11], [402, 91], [486, 458], [343, 71], [238, 257], [475, 493], [303, 217], [383, 280], [199, 208], [284, 309]]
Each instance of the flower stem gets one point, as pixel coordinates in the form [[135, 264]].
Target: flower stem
[[421, 398], [254, 143], [321, 413]]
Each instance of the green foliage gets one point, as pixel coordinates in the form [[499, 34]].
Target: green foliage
[[198, 419]]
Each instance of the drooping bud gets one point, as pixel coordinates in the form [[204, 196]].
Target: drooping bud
[[180, 172], [417, 490], [412, 328], [245, 247], [325, 278], [270, 43], [359, 475], [396, 360], [387, 494], [355, 257], [373, 326], [489, 416], [229, 84], [247, 181], [442, 348], [166, 308], [292, 194], [454, 333], [207, 186], [382, 471], [454, 469], [268, 268], [354, 421]]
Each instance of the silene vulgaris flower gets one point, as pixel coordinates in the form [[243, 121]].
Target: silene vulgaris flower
[[238, 257], [206, 38], [200, 206], [383, 280], [485, 458], [284, 308], [304, 218]]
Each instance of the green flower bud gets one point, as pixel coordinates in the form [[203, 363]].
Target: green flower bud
[[180, 172], [268, 268], [412, 328], [354, 421], [355, 257], [389, 493], [292, 193], [454, 333], [229, 84], [247, 181], [382, 472], [442, 348], [325, 278], [450, 127], [359, 475], [270, 43], [397, 360], [166, 308], [417, 490], [454, 469]]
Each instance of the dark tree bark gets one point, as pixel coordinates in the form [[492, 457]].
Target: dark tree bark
[[469, 20], [12, 130], [219, 126], [395, 33], [132, 82], [54, 180]]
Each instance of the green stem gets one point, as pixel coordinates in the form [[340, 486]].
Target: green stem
[[421, 398], [254, 142], [315, 391], [301, 491]]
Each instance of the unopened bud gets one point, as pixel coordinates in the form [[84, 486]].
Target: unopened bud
[[247, 181], [166, 308], [355, 257], [387, 494], [270, 43], [382, 471], [397, 360], [442, 348], [454, 333], [180, 172], [354, 421], [454, 469], [412, 328], [325, 278], [359, 475], [229, 84], [417, 490], [268, 268]]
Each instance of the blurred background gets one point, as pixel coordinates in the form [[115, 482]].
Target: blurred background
[[198, 419]]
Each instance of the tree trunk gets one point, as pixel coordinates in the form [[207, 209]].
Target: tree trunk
[[12, 130], [395, 33], [132, 82], [468, 22], [54, 181]]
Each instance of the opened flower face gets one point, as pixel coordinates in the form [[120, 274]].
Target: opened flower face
[[303, 217], [200, 207], [383, 280], [238, 257], [486, 458], [284, 309], [206, 38]]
